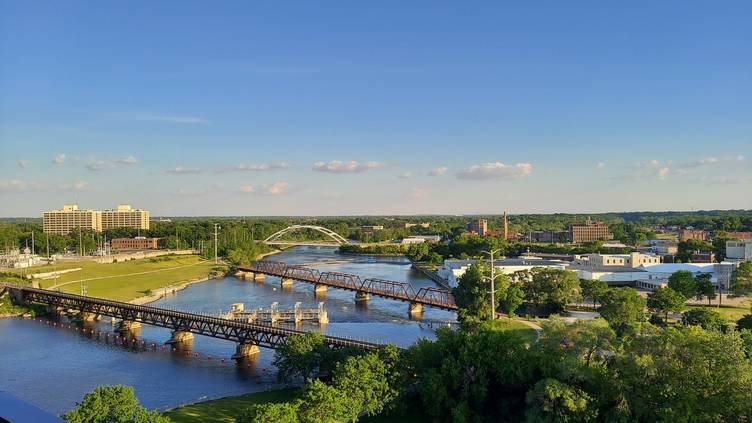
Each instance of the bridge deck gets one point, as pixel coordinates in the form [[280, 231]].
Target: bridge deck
[[432, 297], [242, 332]]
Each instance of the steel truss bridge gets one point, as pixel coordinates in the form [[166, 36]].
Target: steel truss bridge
[[431, 297], [275, 238], [241, 332]]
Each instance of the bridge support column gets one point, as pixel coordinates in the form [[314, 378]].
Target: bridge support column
[[362, 297], [127, 326], [85, 316], [286, 281], [180, 336], [319, 288], [415, 309], [245, 350], [259, 277]]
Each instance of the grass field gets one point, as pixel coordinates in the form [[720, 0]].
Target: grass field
[[520, 328], [129, 279], [730, 313], [224, 410]]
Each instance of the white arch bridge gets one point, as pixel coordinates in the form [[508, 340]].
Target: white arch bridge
[[276, 238]]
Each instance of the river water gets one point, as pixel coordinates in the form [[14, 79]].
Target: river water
[[52, 367]]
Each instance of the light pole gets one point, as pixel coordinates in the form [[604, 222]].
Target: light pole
[[216, 226], [493, 282]]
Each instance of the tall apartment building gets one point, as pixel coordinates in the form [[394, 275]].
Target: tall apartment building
[[63, 221], [124, 216], [588, 232], [479, 227], [70, 217]]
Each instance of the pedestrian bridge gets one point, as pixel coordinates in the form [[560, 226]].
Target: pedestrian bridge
[[431, 297], [335, 239], [249, 336]]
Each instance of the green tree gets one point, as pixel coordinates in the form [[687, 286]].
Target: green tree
[[365, 380], [553, 288], [472, 294], [301, 356], [683, 282], [270, 413], [706, 318], [512, 300], [322, 403], [665, 300], [593, 289], [741, 280], [705, 287], [745, 322], [553, 401], [622, 306], [112, 404]]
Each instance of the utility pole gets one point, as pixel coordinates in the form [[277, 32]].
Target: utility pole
[[177, 240], [215, 243], [47, 238], [493, 282], [81, 241], [32, 241]]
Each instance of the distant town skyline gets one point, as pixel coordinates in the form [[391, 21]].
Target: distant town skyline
[[373, 109]]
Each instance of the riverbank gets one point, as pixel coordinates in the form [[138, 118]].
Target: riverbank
[[226, 409], [163, 292]]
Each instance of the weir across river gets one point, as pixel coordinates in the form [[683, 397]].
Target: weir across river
[[249, 336]]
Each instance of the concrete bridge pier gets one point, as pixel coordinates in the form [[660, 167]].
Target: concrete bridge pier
[[319, 288], [362, 297], [258, 277], [127, 326], [180, 337], [286, 282], [86, 316], [245, 350], [415, 309]]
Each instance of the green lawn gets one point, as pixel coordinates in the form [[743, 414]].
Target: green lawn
[[515, 326], [127, 280], [730, 313], [225, 409]]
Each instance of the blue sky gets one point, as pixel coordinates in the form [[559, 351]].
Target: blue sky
[[272, 108]]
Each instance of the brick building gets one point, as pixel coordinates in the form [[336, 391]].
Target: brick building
[[589, 231], [137, 243]]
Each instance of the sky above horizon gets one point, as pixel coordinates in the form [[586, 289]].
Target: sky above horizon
[[341, 108]]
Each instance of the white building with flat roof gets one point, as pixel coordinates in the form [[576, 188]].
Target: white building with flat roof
[[452, 270]]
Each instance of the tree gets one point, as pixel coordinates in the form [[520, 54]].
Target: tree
[[553, 401], [270, 413], [622, 306], [472, 294], [745, 322], [512, 300], [665, 300], [322, 403], [593, 289], [112, 404], [705, 287], [683, 282], [706, 318], [553, 288], [302, 356], [365, 380], [741, 280]]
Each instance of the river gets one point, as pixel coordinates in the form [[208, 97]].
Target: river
[[53, 367]]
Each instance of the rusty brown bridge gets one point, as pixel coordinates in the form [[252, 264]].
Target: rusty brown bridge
[[249, 336], [363, 288]]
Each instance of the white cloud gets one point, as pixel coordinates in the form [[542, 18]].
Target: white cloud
[[276, 188], [406, 175], [127, 160], [438, 171], [337, 166], [263, 167], [59, 158], [18, 185], [182, 170], [663, 172], [600, 165], [97, 165], [75, 186], [709, 161], [419, 193], [23, 164], [247, 188], [496, 170]]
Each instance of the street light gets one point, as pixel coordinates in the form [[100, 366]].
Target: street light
[[493, 283]]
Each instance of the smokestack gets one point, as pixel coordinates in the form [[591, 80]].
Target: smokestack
[[506, 226]]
